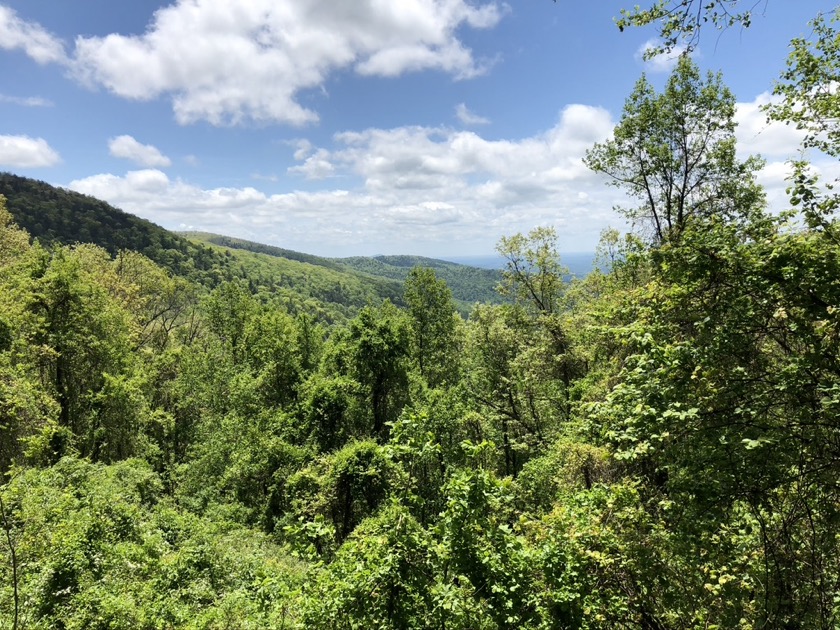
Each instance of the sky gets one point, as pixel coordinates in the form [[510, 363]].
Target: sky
[[356, 127]]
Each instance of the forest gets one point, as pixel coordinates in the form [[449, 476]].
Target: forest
[[188, 441]]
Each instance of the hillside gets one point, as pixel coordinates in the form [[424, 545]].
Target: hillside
[[468, 284], [324, 289], [56, 215], [329, 287]]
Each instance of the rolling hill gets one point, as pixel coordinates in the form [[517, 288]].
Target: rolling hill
[[59, 216]]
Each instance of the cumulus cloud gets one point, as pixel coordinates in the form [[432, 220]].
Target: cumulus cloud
[[402, 188], [128, 148], [30, 37], [423, 157], [316, 166], [26, 152], [757, 135], [231, 62], [663, 62], [469, 118], [26, 101], [430, 189]]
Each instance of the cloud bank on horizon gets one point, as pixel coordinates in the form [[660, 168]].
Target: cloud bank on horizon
[[420, 188]]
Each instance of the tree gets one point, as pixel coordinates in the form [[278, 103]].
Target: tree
[[378, 339], [433, 325], [808, 87], [533, 275], [89, 366], [675, 152], [382, 577], [680, 21]]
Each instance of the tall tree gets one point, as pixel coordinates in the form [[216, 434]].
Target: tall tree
[[675, 153], [433, 325], [379, 340]]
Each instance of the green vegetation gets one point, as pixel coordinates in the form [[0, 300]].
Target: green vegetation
[[328, 289], [382, 276], [54, 215], [468, 284], [654, 446]]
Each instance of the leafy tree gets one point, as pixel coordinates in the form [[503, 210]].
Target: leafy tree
[[14, 241], [533, 275], [161, 303], [325, 501], [378, 341], [89, 366], [435, 342], [496, 337], [331, 411], [808, 86], [675, 152], [382, 577], [481, 547]]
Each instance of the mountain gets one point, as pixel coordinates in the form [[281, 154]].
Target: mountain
[[59, 216], [327, 286], [468, 284]]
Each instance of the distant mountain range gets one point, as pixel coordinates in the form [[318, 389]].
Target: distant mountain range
[[55, 215], [468, 284]]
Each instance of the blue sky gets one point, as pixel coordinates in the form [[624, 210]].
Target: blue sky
[[353, 127]]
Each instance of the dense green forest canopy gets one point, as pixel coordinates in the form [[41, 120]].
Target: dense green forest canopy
[[386, 273], [655, 446]]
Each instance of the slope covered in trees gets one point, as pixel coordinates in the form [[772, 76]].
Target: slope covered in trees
[[329, 288], [385, 274], [655, 446], [56, 215]]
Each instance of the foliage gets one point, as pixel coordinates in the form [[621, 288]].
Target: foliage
[[653, 446], [809, 98], [675, 152], [468, 284], [348, 282], [434, 326], [98, 548], [680, 21]]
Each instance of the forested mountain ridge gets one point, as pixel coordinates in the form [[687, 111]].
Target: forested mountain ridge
[[58, 216], [468, 284], [259, 248]]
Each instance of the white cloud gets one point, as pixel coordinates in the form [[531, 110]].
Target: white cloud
[[32, 38], [436, 189], [778, 144], [128, 148], [26, 152], [26, 101], [469, 118], [231, 62], [757, 135], [663, 62], [427, 189], [316, 166]]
